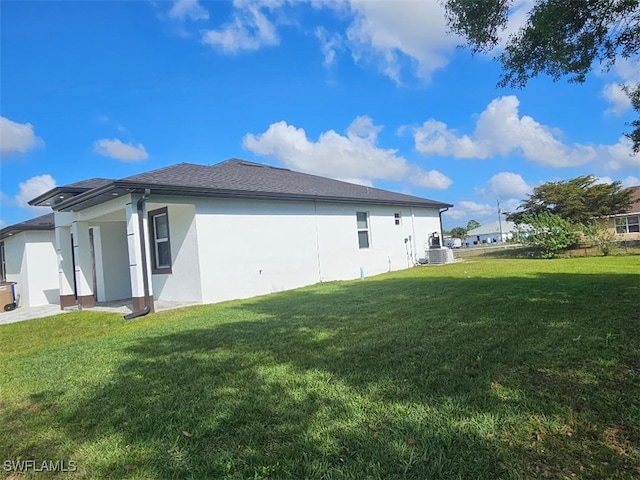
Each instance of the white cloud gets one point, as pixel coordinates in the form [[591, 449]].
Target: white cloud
[[603, 180], [114, 148], [518, 16], [627, 69], [17, 137], [429, 179], [627, 73], [351, 156], [508, 184], [619, 155], [467, 209], [330, 43], [33, 187], [395, 37], [249, 30], [629, 181], [510, 204], [620, 101], [500, 130], [191, 9]]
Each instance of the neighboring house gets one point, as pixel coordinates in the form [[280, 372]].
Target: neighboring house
[[232, 230], [490, 233], [28, 257], [626, 224]]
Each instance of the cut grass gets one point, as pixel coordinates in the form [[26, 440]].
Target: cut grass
[[491, 368]]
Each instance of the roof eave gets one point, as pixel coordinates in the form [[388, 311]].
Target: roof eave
[[54, 192], [84, 200], [11, 231]]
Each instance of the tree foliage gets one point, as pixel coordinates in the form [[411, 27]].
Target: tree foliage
[[560, 37], [459, 232], [578, 200], [472, 224], [547, 233]]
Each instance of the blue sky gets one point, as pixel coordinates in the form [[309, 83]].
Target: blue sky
[[372, 92]]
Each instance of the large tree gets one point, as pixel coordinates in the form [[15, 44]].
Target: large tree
[[547, 233], [459, 232], [473, 224], [578, 200], [560, 38]]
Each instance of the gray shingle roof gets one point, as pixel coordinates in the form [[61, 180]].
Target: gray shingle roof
[[44, 222], [242, 176], [231, 179], [88, 184]]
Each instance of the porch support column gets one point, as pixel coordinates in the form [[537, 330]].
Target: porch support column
[[84, 268], [65, 267], [136, 271]]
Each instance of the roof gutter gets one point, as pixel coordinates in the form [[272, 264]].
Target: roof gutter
[[143, 257], [440, 212]]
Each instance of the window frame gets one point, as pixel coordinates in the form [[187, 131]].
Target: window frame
[[622, 224], [366, 230], [397, 218], [154, 241]]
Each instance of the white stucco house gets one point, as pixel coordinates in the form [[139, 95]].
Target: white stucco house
[[207, 233], [493, 232], [28, 257]]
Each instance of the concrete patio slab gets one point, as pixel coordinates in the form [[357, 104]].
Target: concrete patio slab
[[29, 313], [120, 306]]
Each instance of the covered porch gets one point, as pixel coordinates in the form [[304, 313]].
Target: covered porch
[[115, 255]]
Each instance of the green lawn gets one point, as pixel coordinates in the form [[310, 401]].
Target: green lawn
[[490, 368]]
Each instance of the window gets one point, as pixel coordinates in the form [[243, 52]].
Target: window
[[397, 218], [627, 225], [161, 246], [3, 264], [363, 229]]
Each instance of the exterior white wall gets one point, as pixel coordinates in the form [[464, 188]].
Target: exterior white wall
[[252, 247], [115, 279], [224, 249], [42, 264], [15, 263], [31, 261], [183, 283], [427, 222], [342, 259]]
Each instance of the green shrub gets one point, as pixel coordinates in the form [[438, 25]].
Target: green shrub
[[598, 235], [547, 233]]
